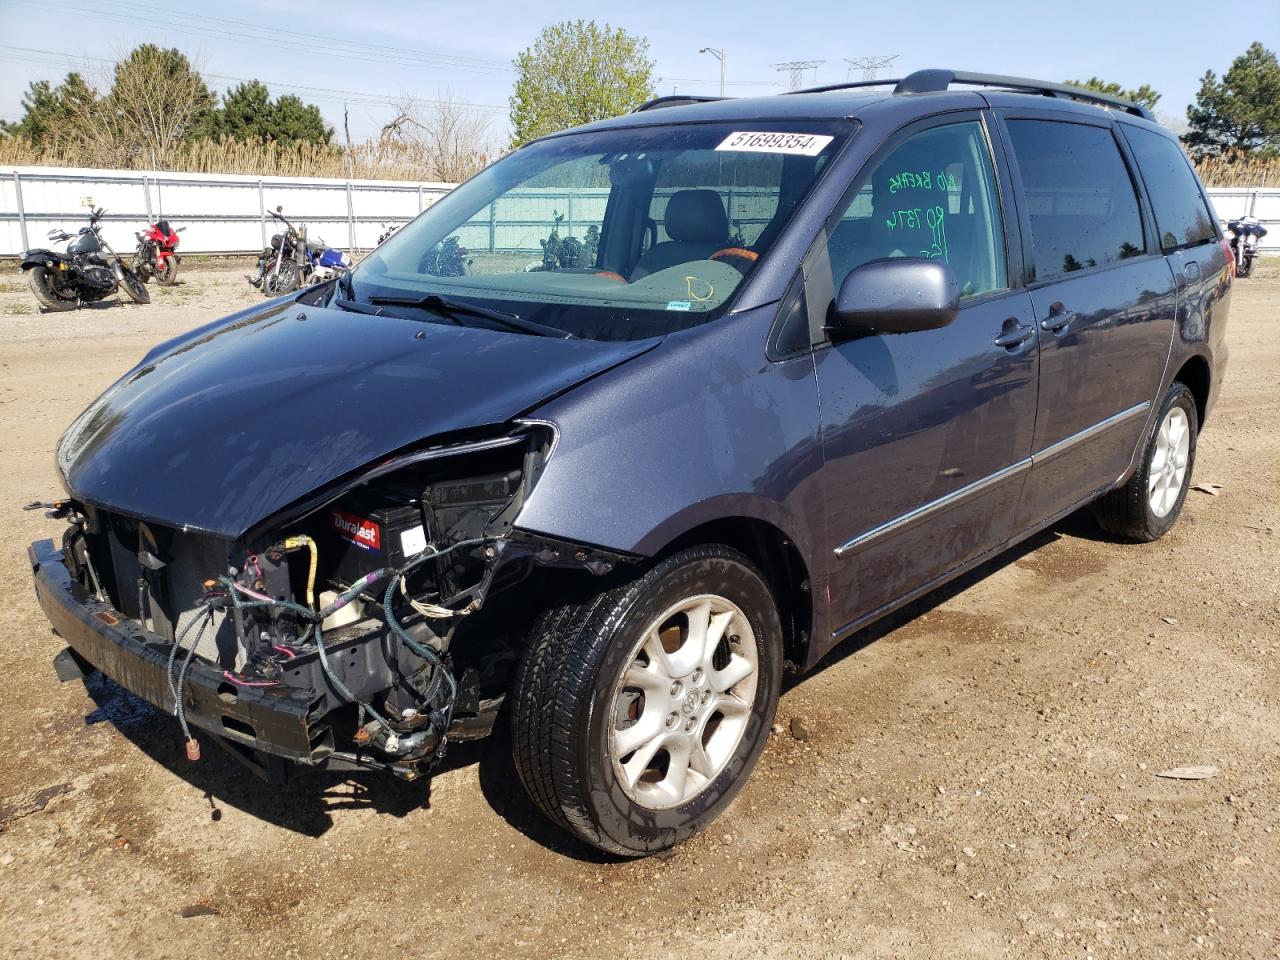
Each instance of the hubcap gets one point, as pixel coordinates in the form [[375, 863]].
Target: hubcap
[[1169, 460], [683, 701]]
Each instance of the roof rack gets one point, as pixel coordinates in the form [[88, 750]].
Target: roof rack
[[678, 100], [937, 81]]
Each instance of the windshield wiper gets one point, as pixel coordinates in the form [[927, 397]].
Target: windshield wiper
[[453, 309]]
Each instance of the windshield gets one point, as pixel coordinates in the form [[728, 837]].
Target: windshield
[[614, 235]]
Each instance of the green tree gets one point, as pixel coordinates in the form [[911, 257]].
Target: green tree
[[576, 72], [157, 99], [249, 113], [1143, 96], [49, 111], [1240, 112]]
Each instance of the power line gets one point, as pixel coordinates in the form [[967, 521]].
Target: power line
[[869, 66], [797, 69], [349, 50], [51, 58]]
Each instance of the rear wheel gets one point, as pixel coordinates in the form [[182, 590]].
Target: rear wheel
[[46, 292], [1148, 505], [134, 288], [640, 712]]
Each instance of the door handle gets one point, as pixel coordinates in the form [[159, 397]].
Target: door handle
[[1056, 322], [1015, 334]]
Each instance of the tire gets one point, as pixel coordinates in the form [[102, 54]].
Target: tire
[[573, 708], [1148, 504], [134, 288], [284, 281], [1245, 268], [167, 275], [47, 295]]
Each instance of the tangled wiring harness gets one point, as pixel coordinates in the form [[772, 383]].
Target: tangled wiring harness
[[225, 590]]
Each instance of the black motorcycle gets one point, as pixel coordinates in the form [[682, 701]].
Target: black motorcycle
[[294, 261], [1246, 235], [90, 270]]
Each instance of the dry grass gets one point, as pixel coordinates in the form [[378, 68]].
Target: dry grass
[[371, 160], [1240, 172]]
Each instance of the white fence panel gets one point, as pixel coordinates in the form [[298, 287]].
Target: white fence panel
[[227, 213], [223, 213]]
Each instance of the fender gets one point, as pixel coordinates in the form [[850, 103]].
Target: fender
[[38, 258]]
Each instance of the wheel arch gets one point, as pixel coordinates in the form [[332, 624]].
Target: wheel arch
[[779, 561], [1197, 376]]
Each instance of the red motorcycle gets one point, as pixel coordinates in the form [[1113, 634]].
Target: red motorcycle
[[155, 255]]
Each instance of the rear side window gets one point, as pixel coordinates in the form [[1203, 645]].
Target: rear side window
[[1181, 214], [1080, 197]]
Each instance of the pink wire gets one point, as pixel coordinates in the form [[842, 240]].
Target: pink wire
[[249, 683]]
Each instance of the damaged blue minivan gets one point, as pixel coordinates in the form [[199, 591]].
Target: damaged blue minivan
[[636, 419]]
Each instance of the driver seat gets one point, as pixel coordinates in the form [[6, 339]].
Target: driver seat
[[697, 225]]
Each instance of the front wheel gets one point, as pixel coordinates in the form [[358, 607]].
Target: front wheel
[[167, 272], [639, 712], [278, 282], [133, 287], [1148, 505], [1246, 266], [45, 289]]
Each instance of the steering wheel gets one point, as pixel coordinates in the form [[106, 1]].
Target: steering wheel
[[738, 257]]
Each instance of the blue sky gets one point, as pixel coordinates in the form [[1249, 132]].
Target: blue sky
[[394, 48]]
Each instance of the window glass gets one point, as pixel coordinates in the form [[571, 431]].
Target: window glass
[[748, 185], [1181, 214], [1083, 209], [933, 197]]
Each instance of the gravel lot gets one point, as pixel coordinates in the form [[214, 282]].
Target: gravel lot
[[977, 779]]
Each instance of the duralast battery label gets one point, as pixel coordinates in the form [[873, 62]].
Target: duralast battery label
[[363, 533]]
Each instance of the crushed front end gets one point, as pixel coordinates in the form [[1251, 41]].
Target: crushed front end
[[356, 629]]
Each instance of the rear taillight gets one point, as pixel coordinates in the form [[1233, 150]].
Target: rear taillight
[[1231, 255]]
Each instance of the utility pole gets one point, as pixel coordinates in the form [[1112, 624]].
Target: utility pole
[[797, 68], [719, 55], [869, 66]]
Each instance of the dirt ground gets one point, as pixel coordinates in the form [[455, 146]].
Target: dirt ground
[[979, 776]]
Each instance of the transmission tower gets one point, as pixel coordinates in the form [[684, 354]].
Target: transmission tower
[[797, 69], [869, 66]]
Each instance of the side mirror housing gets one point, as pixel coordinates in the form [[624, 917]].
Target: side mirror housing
[[895, 295]]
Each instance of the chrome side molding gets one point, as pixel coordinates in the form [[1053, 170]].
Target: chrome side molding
[[943, 503]]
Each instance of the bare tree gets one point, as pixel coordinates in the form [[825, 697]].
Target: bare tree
[[156, 100], [452, 138]]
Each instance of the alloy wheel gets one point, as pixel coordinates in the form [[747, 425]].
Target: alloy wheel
[[683, 701], [1168, 470]]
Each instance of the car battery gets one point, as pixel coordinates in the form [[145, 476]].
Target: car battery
[[374, 529]]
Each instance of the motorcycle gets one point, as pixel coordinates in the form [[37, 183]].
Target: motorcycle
[[293, 261], [1246, 235], [90, 270], [155, 255]]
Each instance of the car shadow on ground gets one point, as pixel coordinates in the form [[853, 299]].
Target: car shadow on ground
[[307, 802]]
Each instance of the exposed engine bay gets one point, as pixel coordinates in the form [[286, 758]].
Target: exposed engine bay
[[372, 603]]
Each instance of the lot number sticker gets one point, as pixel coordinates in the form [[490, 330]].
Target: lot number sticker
[[799, 144]]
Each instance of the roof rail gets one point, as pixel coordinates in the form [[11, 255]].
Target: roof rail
[[679, 100], [937, 81]]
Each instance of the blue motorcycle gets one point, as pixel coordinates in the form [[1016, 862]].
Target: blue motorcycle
[[293, 261]]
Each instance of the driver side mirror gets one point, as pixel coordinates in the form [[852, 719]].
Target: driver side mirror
[[895, 295]]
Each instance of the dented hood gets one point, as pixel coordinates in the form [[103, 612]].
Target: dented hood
[[222, 428]]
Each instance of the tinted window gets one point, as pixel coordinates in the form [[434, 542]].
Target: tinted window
[[1083, 209], [1181, 214], [934, 196]]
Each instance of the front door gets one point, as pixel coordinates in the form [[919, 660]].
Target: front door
[[1104, 302], [926, 435]]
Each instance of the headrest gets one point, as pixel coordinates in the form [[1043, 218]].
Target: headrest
[[696, 215]]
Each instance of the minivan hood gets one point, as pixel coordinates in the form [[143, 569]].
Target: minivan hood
[[222, 429]]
